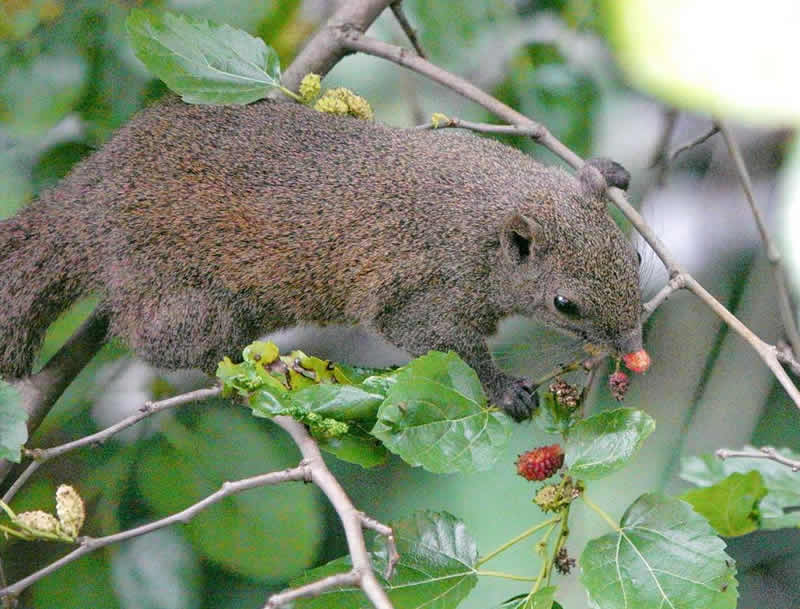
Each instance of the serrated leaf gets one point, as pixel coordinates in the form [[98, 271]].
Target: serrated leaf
[[778, 507], [602, 444], [435, 416], [663, 555], [731, 505], [204, 62], [436, 569], [13, 431]]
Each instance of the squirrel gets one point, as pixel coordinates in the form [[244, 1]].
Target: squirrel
[[204, 227]]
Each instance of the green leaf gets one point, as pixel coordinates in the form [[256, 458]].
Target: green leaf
[[663, 555], [204, 62], [13, 431], [542, 599], [730, 506], [602, 444], [778, 507], [435, 415], [436, 569], [356, 446], [342, 402]]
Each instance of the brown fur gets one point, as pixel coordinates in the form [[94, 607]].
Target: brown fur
[[204, 226]]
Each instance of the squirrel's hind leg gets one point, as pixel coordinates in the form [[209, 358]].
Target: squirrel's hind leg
[[186, 327]]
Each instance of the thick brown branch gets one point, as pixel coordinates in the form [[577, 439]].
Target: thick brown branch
[[325, 49]]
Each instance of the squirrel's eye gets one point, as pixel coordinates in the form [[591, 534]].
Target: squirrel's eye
[[566, 306], [639, 256]]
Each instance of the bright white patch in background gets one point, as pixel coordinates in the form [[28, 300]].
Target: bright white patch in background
[[734, 59]]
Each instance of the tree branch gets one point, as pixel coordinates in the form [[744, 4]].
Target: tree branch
[[765, 452], [325, 49], [692, 143], [42, 455], [410, 32], [90, 544], [352, 519], [773, 254]]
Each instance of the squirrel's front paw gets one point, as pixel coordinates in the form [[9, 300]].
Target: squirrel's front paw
[[520, 399]]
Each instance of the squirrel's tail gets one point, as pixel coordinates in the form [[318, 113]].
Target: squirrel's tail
[[41, 274]]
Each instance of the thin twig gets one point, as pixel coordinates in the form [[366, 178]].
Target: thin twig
[[692, 143], [90, 544], [786, 357], [457, 123], [765, 452], [356, 41], [773, 254], [351, 518], [315, 588], [21, 480], [410, 32], [41, 455], [660, 158], [391, 544]]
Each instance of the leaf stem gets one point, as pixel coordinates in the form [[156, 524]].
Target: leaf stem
[[290, 93], [600, 512], [545, 561], [563, 533], [519, 578], [525, 534]]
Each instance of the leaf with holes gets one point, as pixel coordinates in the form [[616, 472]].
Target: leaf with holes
[[664, 555]]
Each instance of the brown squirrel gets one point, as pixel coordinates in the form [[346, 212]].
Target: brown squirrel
[[202, 227]]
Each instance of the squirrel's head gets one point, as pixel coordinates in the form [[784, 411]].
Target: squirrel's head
[[564, 262]]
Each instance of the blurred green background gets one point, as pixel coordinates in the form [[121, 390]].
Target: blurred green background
[[68, 79]]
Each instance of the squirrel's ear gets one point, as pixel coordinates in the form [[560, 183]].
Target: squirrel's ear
[[521, 236], [598, 174]]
